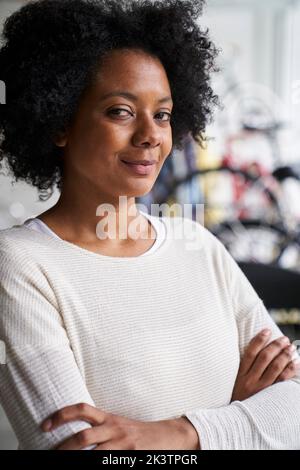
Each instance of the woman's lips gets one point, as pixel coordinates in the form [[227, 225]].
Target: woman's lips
[[136, 169]]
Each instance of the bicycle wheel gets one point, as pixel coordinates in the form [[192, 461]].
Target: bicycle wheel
[[259, 242], [226, 193]]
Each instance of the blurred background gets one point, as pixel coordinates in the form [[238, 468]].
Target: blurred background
[[246, 177]]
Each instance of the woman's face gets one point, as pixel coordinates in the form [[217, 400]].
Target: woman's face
[[107, 129]]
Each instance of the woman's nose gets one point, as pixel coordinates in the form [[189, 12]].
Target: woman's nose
[[147, 133]]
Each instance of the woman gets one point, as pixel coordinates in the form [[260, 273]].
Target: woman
[[138, 340]]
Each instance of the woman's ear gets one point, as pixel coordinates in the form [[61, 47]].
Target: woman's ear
[[61, 139]]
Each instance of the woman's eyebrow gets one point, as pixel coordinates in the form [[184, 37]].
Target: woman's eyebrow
[[132, 97]]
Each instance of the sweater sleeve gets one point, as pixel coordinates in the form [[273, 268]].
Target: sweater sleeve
[[39, 374], [269, 419]]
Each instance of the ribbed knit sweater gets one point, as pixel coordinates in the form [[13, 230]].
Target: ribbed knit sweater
[[147, 337]]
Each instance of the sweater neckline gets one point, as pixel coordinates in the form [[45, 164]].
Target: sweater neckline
[[116, 259]]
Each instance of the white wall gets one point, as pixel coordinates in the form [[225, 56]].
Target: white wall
[[266, 35]]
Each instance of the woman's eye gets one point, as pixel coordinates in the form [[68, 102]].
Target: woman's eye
[[116, 111], [168, 115]]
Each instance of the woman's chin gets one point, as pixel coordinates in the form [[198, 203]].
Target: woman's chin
[[140, 190]]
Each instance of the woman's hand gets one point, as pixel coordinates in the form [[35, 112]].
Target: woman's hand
[[262, 366], [111, 431]]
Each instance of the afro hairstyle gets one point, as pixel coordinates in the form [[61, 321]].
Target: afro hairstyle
[[51, 50]]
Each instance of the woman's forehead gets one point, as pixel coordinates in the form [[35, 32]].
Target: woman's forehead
[[124, 64], [132, 74]]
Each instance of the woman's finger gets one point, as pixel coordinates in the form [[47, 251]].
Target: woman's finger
[[290, 371], [254, 347], [266, 356], [277, 366], [113, 445], [86, 438], [80, 411]]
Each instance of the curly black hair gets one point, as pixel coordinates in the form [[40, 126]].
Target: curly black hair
[[51, 50]]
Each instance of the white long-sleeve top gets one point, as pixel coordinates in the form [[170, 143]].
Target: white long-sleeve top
[[148, 337], [159, 227]]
